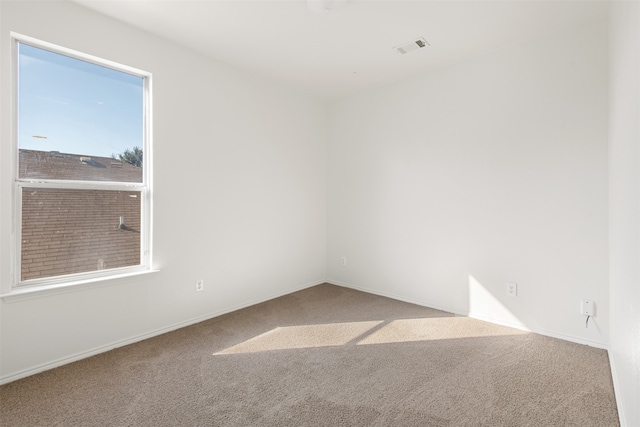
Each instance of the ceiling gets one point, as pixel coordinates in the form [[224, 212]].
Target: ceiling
[[351, 49]]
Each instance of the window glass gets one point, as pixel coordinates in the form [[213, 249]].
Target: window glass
[[76, 231], [67, 106]]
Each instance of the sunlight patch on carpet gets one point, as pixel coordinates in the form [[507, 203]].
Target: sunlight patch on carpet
[[303, 336], [370, 332], [440, 328]]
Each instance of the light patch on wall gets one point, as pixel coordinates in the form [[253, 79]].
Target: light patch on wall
[[485, 305]]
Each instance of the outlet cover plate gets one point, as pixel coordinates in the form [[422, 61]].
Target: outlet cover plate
[[587, 307], [200, 285], [512, 289]]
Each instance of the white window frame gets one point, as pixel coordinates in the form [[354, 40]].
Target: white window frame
[[56, 282]]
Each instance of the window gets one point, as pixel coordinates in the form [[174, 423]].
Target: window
[[82, 182]]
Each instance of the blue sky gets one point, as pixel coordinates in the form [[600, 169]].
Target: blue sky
[[79, 107]]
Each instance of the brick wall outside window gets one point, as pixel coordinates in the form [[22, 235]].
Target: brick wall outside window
[[67, 231]]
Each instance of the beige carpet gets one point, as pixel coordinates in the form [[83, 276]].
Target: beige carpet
[[326, 356]]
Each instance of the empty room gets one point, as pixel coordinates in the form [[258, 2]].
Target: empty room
[[323, 212]]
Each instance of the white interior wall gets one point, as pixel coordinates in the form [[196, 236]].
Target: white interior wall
[[239, 195], [624, 154], [444, 188]]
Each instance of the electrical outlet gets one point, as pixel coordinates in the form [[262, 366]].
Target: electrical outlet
[[512, 289], [587, 307], [200, 285], [343, 260]]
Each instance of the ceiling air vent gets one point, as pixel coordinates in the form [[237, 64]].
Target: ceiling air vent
[[416, 44]]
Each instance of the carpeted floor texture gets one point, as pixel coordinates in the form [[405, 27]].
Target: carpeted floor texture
[[326, 356]]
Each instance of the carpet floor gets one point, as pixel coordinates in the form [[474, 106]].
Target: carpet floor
[[326, 356]]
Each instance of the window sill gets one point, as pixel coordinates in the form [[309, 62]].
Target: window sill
[[31, 292]]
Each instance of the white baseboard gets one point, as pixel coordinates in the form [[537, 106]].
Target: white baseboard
[[102, 349], [521, 327], [544, 332], [616, 390]]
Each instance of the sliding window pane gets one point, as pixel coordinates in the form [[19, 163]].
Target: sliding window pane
[[76, 231]]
